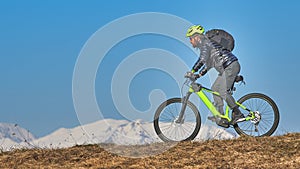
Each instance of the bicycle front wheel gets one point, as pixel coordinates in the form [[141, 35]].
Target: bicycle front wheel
[[267, 114], [166, 123]]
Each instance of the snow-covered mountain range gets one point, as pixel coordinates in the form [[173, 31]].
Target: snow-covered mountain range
[[13, 136], [120, 132]]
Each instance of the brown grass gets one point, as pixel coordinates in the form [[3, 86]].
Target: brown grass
[[244, 152]]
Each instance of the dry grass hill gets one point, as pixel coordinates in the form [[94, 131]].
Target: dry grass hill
[[244, 152]]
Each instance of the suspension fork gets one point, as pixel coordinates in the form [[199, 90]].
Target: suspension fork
[[184, 104]]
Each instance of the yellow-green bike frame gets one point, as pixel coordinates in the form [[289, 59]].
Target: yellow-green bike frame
[[199, 90]]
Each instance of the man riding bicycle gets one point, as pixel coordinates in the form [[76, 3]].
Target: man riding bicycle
[[212, 55]]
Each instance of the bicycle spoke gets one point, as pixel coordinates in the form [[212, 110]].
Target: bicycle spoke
[[166, 117], [171, 111], [173, 129], [266, 115]]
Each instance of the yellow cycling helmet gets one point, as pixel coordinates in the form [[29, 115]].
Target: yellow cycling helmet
[[194, 29]]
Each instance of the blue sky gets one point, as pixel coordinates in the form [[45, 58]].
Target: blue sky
[[40, 42]]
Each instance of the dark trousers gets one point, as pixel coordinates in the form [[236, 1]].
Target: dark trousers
[[223, 84]]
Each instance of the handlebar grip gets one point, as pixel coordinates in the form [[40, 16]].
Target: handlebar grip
[[192, 76]]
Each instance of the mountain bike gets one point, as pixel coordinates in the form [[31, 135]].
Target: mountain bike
[[178, 119]]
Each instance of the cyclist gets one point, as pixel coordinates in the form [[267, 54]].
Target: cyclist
[[212, 55]]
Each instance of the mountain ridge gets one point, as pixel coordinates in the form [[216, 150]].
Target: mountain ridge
[[119, 132]]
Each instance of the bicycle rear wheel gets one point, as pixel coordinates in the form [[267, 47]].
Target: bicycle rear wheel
[[166, 126], [266, 111]]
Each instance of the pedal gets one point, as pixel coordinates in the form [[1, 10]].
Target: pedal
[[212, 118], [223, 123]]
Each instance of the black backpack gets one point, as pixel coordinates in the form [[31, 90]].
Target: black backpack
[[221, 37]]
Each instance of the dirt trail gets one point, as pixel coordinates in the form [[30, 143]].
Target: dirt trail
[[244, 152]]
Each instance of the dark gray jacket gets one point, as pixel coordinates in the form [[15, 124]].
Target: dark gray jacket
[[212, 55]]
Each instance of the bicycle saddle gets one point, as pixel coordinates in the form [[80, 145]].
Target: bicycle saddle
[[239, 78]]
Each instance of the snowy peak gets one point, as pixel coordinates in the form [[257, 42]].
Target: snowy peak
[[13, 136], [120, 132], [133, 133], [15, 133]]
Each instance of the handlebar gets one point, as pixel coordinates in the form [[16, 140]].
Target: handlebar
[[193, 77]]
